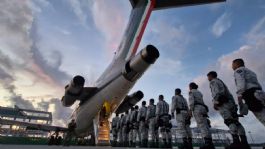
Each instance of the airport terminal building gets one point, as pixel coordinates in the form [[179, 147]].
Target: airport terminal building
[[24, 115]]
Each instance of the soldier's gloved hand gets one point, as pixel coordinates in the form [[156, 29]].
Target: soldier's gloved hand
[[172, 116]]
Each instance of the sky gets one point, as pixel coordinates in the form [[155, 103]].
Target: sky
[[44, 43]]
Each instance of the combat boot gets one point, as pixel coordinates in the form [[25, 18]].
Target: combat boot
[[208, 144], [244, 142]]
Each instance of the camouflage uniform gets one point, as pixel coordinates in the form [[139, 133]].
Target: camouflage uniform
[[134, 127], [250, 90], [142, 128], [125, 130], [114, 126], [120, 139], [200, 111], [162, 116], [179, 104], [130, 130], [151, 119], [225, 104]]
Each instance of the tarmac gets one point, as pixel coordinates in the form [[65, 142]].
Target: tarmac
[[74, 147]]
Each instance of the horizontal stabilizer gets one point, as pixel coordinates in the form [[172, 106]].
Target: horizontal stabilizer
[[165, 4]]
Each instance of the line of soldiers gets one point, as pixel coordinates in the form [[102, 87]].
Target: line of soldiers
[[147, 122], [143, 125]]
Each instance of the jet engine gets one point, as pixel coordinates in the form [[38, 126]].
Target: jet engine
[[136, 66], [73, 90], [129, 101]]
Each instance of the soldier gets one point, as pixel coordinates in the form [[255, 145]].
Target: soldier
[[183, 116], [125, 129], [249, 89], [151, 120], [134, 126], [200, 110], [142, 128], [224, 102], [130, 125], [120, 131], [114, 128], [163, 118]]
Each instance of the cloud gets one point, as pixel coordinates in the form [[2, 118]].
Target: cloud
[[110, 19], [24, 71], [172, 34], [257, 33], [60, 114], [173, 67], [221, 25], [253, 53], [171, 37], [52, 70], [38, 5], [78, 11]]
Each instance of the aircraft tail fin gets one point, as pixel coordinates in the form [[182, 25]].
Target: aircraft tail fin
[[139, 17]]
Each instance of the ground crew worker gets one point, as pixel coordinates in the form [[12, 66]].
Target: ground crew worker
[[134, 126], [125, 129], [151, 120], [70, 132], [142, 128], [115, 129], [200, 110], [120, 139], [249, 89], [163, 118], [224, 102], [183, 116], [130, 125]]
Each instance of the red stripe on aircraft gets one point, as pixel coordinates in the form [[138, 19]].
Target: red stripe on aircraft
[[139, 37]]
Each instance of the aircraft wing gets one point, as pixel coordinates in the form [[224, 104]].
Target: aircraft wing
[[31, 126], [164, 4]]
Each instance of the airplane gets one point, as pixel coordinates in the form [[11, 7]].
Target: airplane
[[111, 89], [110, 93]]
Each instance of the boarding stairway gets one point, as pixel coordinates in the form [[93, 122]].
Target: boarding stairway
[[103, 138]]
